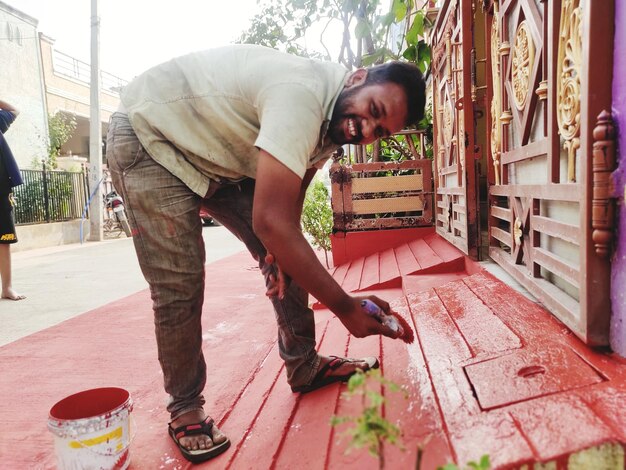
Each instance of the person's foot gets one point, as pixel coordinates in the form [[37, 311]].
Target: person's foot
[[10, 294], [336, 369], [347, 366], [197, 441]]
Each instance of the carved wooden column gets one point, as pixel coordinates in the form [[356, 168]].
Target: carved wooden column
[[507, 116], [603, 207]]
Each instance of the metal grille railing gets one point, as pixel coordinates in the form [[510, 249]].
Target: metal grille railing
[[50, 196], [78, 70]]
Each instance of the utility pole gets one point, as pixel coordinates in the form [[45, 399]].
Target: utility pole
[[95, 132]]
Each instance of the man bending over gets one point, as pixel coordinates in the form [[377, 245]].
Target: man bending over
[[241, 130]]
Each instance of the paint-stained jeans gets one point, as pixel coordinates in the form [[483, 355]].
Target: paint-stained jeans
[[167, 233]]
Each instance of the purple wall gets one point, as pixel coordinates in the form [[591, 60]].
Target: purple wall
[[618, 276]]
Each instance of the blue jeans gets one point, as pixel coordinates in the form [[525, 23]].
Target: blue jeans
[[167, 232]]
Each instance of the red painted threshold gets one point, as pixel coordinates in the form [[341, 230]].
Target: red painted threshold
[[477, 342]]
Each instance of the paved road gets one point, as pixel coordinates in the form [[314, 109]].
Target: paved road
[[65, 281]]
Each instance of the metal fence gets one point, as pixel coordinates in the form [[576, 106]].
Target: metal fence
[[78, 70], [50, 196]]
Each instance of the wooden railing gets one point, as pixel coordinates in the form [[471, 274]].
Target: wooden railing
[[371, 196]]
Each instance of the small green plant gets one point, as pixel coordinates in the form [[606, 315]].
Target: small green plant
[[61, 127], [317, 217], [370, 429], [483, 464]]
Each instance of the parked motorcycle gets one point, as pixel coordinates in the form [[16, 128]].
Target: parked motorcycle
[[115, 204]]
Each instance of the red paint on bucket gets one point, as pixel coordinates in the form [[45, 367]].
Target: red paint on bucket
[[90, 403]]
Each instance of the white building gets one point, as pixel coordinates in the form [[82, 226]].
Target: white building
[[22, 85]]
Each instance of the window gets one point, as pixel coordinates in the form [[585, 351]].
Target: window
[[14, 34]]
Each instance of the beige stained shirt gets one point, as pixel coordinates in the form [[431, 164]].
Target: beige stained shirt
[[203, 116]]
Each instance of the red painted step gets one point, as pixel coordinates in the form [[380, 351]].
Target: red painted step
[[406, 261], [251, 410], [389, 270], [475, 433], [309, 428], [339, 274], [559, 425], [445, 250], [418, 411], [352, 281], [461, 326], [473, 318], [339, 453], [424, 282], [371, 271], [431, 255], [424, 254]]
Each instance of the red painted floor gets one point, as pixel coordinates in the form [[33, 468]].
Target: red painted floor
[[490, 373]]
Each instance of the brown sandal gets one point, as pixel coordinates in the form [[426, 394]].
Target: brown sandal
[[200, 455], [322, 378]]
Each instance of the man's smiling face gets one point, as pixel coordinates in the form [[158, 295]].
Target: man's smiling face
[[364, 113]]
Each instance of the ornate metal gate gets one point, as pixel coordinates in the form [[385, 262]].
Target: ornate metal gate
[[552, 151], [453, 114]]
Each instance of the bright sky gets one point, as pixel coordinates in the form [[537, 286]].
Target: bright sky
[[137, 34]]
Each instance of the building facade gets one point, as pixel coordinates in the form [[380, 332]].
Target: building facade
[[22, 85], [41, 81], [67, 83]]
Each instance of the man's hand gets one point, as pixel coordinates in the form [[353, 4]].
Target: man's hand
[[360, 324], [277, 286]]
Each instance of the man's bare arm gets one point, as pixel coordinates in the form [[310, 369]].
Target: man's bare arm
[[306, 181], [8, 107], [280, 282], [276, 221]]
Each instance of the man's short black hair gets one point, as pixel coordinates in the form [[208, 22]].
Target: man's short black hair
[[409, 77]]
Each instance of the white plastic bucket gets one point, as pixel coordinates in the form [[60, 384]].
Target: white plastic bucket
[[92, 429]]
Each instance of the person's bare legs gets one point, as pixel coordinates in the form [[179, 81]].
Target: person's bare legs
[[5, 274]]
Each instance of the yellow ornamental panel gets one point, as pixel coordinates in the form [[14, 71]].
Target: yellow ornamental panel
[[568, 81], [523, 61]]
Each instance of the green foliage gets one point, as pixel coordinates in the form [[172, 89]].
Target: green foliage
[[394, 148], [317, 216], [370, 429], [282, 24], [30, 201], [483, 464], [427, 125], [61, 127]]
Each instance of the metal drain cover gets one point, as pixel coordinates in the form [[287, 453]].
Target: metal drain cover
[[523, 375]]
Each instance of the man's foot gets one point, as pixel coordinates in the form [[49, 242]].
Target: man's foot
[[197, 436], [336, 369], [10, 294]]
